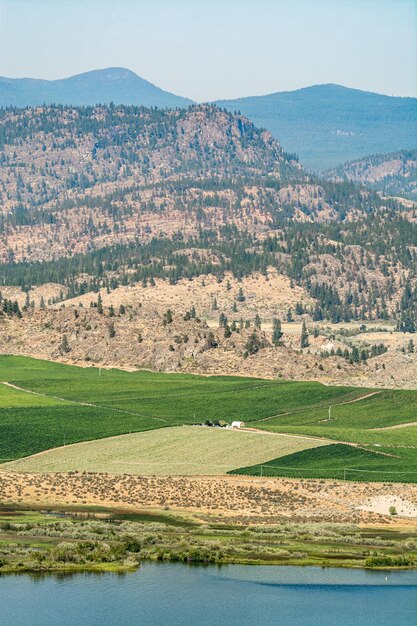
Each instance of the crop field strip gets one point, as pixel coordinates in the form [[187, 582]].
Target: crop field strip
[[346, 401], [338, 461], [391, 454], [185, 450], [40, 415], [100, 406]]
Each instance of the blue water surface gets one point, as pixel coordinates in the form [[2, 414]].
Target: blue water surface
[[179, 595]]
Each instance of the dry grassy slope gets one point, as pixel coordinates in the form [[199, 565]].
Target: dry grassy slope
[[233, 498], [142, 341], [366, 171], [87, 180], [377, 167], [72, 181], [81, 228], [268, 296], [394, 173], [48, 291]]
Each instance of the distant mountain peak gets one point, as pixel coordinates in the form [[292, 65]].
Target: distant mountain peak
[[110, 84], [329, 124], [112, 73]]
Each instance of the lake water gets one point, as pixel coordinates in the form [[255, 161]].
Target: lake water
[[234, 595]]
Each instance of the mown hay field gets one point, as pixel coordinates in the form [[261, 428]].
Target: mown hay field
[[185, 450]]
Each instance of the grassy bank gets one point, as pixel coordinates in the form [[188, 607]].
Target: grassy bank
[[99, 540]]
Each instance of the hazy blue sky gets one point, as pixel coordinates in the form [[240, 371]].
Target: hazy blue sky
[[208, 49]]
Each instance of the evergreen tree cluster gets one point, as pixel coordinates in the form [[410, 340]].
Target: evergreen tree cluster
[[10, 307]]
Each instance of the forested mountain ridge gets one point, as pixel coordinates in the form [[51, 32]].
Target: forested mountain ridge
[[393, 174], [113, 84], [327, 125], [75, 179], [116, 195]]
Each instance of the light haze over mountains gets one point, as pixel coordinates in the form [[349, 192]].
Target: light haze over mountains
[[324, 124]]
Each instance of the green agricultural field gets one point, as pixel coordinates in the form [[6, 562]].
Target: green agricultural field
[[171, 451], [382, 425], [80, 404], [46, 405], [341, 461]]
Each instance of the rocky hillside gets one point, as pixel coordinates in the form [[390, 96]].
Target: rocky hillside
[[177, 328], [101, 331], [115, 196], [393, 174], [73, 179]]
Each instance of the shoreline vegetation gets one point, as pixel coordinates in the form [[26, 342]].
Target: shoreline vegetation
[[93, 539]]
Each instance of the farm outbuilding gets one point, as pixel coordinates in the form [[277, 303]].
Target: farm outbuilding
[[238, 424]]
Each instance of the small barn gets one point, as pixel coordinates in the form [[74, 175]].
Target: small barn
[[238, 424]]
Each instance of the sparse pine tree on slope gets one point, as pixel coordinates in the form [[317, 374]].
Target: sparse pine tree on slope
[[304, 336], [277, 333]]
